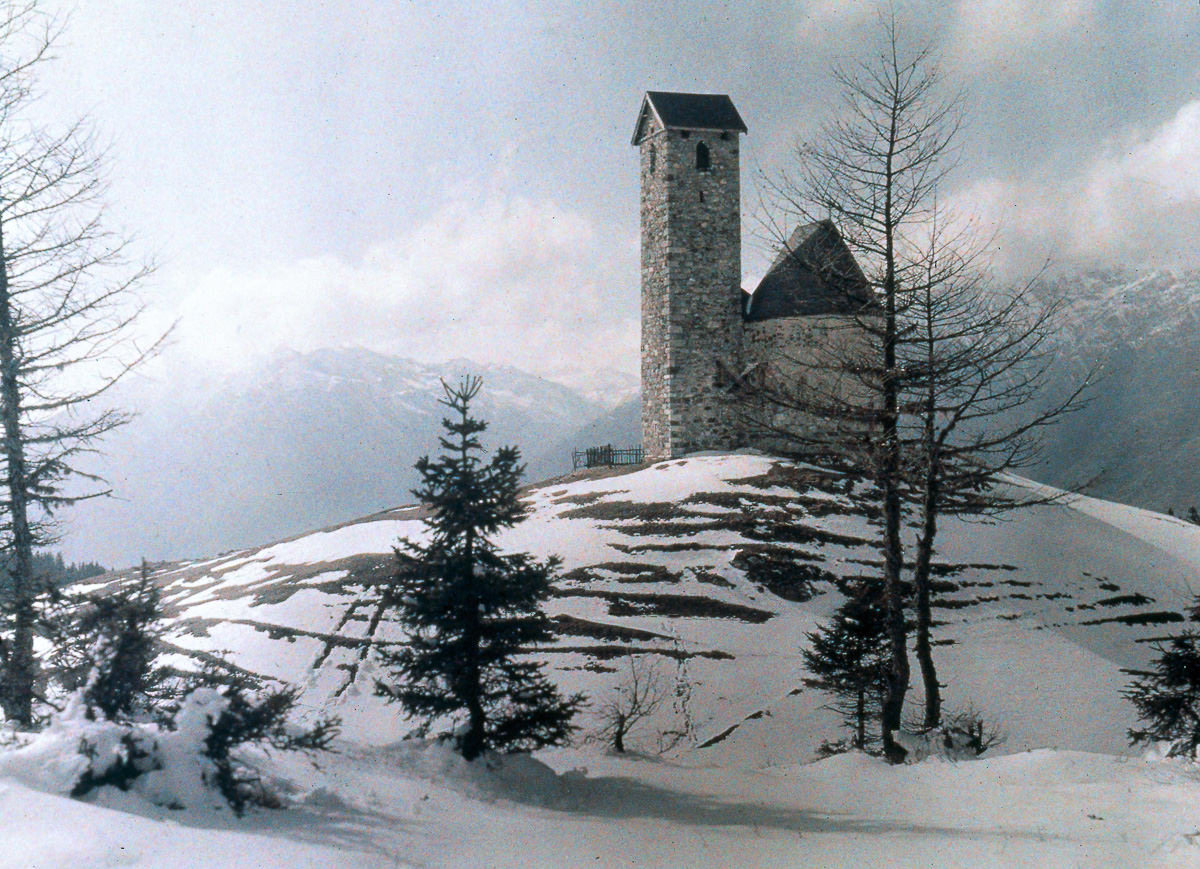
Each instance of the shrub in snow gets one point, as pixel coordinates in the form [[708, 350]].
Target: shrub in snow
[[116, 757], [831, 747], [203, 750], [967, 733], [642, 694], [106, 647], [1167, 698], [963, 734], [264, 719], [634, 699], [471, 614]]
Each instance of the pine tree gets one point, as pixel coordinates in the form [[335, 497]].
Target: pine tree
[[849, 658], [470, 613], [1167, 699]]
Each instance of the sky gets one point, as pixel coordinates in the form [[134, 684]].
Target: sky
[[443, 179]]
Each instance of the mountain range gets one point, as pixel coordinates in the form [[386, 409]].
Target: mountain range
[[1137, 439], [313, 439], [304, 441]]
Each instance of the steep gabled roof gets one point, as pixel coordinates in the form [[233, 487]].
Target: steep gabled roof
[[688, 112], [815, 273]]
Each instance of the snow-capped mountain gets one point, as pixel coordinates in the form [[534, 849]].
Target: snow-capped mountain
[[1139, 435], [317, 438], [308, 440]]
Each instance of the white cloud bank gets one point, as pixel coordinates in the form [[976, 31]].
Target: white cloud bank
[[1136, 200], [508, 280]]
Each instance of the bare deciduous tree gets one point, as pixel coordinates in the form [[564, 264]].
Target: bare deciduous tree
[[932, 394], [976, 369], [633, 700], [68, 305], [875, 172]]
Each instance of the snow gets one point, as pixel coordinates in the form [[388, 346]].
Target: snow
[[418, 806], [1049, 610], [355, 539]]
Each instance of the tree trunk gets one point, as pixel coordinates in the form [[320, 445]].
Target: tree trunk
[[921, 572], [20, 669], [898, 672], [893, 551], [860, 713], [474, 740]]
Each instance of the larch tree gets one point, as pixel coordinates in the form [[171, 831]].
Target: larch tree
[[934, 388], [68, 308], [874, 173], [978, 364], [471, 615]]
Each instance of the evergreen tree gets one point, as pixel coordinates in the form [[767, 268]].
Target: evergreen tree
[[470, 613], [849, 658], [1167, 698], [108, 647]]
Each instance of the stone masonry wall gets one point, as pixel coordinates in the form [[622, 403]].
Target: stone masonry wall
[[691, 291], [801, 355]]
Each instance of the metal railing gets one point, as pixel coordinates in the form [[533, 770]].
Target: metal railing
[[606, 456]]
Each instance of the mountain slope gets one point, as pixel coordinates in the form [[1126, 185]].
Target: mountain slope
[[1138, 438], [714, 567], [312, 439]]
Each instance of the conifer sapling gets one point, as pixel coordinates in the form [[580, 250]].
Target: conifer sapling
[[1167, 698], [848, 658]]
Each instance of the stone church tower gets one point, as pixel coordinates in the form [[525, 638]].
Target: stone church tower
[[691, 269], [708, 348]]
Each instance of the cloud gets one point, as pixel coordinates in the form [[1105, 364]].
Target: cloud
[[1135, 201], [511, 280], [986, 31]]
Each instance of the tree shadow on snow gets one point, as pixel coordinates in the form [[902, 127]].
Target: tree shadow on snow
[[621, 798]]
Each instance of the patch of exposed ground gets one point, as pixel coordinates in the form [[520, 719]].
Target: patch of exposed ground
[[607, 653], [626, 571], [782, 571], [621, 603], [572, 626]]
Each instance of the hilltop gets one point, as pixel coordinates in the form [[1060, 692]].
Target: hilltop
[[712, 567], [720, 564]]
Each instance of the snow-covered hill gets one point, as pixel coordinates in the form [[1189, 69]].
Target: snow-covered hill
[[718, 565], [709, 569]]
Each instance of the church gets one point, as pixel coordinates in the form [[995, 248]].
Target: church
[[702, 333]]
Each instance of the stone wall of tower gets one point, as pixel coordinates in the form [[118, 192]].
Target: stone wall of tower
[[691, 290]]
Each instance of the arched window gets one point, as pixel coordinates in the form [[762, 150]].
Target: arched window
[[653, 159], [703, 163]]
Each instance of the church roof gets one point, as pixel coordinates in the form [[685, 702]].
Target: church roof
[[815, 273], [688, 112]]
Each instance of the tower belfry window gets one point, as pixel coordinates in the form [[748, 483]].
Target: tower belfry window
[[653, 159], [703, 163]]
